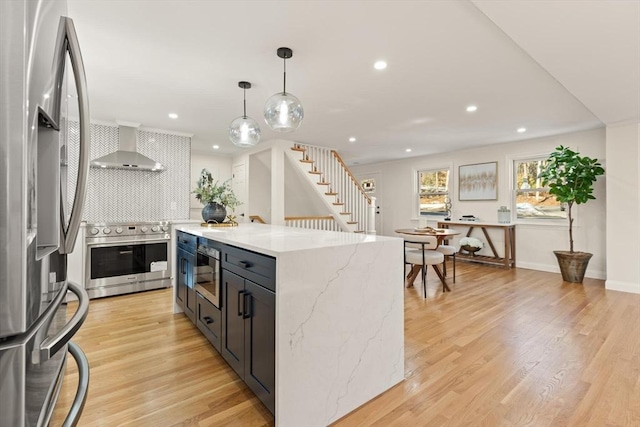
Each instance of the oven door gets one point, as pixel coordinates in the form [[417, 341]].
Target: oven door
[[207, 278], [115, 263]]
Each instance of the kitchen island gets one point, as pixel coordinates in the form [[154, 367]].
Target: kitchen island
[[339, 316]]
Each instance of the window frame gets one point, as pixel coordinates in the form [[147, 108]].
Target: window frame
[[513, 190], [417, 191]]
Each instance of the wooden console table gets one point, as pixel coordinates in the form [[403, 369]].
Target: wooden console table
[[509, 259]]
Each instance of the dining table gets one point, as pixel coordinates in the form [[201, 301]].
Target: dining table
[[441, 235]]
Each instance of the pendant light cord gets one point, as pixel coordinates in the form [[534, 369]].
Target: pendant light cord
[[284, 84], [244, 96]]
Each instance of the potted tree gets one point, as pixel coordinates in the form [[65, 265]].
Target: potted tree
[[215, 197], [570, 179]]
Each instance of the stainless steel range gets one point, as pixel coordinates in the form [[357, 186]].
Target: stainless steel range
[[127, 257]]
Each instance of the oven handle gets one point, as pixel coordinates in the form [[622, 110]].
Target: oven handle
[[51, 345], [125, 242]]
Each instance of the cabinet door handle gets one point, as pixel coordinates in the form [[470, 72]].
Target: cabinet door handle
[[182, 260], [208, 320], [245, 264], [240, 298], [247, 305]]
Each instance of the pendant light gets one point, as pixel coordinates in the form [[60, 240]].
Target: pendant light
[[283, 112], [244, 131]]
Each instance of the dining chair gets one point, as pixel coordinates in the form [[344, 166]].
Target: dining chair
[[449, 251], [424, 256]]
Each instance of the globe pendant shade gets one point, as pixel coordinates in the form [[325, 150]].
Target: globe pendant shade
[[244, 132], [283, 112]]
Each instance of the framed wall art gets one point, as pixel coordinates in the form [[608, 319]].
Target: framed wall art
[[368, 185], [478, 181]]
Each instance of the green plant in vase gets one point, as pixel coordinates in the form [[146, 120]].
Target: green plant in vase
[[215, 197], [570, 178]]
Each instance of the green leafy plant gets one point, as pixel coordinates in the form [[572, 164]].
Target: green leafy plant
[[570, 179], [209, 191]]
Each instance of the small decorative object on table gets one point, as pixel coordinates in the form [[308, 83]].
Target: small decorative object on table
[[504, 215], [216, 198], [447, 206], [471, 245]]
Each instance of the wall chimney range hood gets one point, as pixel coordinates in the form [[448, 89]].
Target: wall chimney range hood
[[127, 156]]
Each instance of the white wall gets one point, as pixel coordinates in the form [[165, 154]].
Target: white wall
[[260, 185], [220, 168], [623, 207], [300, 199], [534, 243]]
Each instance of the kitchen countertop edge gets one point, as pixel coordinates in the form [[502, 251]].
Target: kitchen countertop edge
[[274, 240]]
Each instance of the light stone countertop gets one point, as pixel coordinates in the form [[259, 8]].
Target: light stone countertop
[[278, 239], [339, 316]]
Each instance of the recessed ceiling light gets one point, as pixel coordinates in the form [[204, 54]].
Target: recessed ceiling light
[[215, 147], [352, 139], [173, 116], [522, 130], [380, 65], [408, 150], [46, 96], [472, 108]]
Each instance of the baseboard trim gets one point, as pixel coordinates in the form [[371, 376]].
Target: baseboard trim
[[614, 285], [601, 275]]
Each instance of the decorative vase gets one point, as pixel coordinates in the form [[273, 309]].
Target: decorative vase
[[471, 249], [573, 265], [214, 213]]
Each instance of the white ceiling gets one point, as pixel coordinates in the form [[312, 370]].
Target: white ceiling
[[550, 66]]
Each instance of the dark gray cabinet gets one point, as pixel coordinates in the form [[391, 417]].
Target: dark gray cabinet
[[233, 320], [186, 262], [260, 342], [209, 320], [249, 320]]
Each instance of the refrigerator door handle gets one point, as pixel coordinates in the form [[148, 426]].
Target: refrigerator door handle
[[69, 43], [51, 345], [83, 386]]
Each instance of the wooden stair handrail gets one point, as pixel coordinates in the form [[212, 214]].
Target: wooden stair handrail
[[257, 218], [353, 178]]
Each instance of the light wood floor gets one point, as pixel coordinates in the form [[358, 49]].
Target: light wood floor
[[504, 348]]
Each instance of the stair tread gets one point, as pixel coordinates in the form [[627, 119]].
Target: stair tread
[[338, 204], [298, 149], [315, 172], [345, 213], [324, 183], [330, 194], [306, 161], [352, 222]]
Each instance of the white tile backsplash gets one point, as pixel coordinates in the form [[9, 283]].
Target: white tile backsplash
[[120, 195]]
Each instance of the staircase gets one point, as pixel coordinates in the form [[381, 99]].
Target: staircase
[[350, 206]]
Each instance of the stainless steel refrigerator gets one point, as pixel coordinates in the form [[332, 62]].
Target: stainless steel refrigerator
[[42, 83]]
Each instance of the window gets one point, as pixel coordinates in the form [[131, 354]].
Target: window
[[533, 200], [433, 191]]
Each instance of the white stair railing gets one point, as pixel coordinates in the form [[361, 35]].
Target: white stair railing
[[313, 222], [348, 192]]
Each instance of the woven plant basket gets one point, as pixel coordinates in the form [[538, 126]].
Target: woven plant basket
[[573, 265]]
